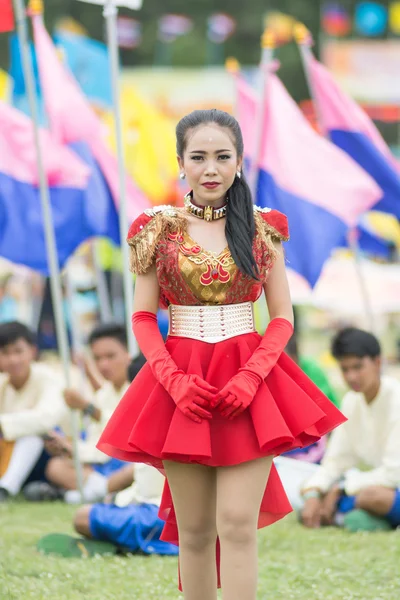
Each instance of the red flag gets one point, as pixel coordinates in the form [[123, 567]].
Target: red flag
[[6, 16]]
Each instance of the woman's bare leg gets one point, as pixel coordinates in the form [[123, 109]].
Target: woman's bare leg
[[240, 490], [193, 489]]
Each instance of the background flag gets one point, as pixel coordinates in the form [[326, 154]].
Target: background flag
[[303, 175]]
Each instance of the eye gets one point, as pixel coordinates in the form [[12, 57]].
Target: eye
[[224, 156], [197, 157]]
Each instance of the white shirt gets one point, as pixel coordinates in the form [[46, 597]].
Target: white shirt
[[34, 409], [106, 400], [146, 488], [370, 437]]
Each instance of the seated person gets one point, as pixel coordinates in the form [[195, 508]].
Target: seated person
[[132, 522], [339, 492], [108, 344], [292, 472], [31, 404]]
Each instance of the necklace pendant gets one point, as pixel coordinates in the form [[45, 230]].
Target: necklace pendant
[[208, 213]]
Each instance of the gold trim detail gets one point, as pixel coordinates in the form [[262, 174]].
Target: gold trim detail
[[143, 245], [208, 213]]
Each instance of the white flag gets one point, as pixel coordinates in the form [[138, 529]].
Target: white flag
[[133, 4]]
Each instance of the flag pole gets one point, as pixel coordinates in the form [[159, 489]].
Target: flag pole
[[304, 41], [110, 14], [232, 67], [52, 258], [267, 55], [106, 313]]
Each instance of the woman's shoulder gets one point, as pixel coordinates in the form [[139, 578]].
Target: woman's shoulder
[[146, 232], [272, 222], [162, 216]]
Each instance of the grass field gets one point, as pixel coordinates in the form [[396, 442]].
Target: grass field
[[294, 563]]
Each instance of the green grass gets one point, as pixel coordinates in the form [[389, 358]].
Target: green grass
[[294, 563]]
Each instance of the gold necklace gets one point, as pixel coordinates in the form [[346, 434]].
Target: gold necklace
[[208, 213]]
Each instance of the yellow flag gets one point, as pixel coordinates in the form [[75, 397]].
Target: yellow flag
[[149, 144], [385, 226], [4, 86], [394, 17]]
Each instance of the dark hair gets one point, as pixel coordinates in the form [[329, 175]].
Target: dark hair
[[14, 330], [135, 366], [109, 330], [240, 226], [355, 342]]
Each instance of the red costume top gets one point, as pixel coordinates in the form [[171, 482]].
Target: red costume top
[[288, 411]]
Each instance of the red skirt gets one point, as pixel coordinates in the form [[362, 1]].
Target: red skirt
[[288, 412]]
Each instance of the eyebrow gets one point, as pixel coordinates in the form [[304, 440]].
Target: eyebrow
[[203, 151]]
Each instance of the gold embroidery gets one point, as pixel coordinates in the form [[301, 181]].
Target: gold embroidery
[[143, 245], [263, 226], [266, 233], [208, 275], [216, 264]]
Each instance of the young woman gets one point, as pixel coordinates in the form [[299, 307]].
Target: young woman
[[215, 404]]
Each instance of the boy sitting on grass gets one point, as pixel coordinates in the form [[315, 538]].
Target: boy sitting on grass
[[339, 492]]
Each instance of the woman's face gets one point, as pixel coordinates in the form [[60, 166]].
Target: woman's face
[[210, 163]]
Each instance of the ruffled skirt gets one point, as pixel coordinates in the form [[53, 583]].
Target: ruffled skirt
[[288, 412]]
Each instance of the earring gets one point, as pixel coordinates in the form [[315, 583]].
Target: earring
[[238, 174], [182, 175]]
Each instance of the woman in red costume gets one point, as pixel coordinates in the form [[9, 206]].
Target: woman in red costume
[[215, 404]]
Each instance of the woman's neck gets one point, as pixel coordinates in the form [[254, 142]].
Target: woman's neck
[[201, 204]]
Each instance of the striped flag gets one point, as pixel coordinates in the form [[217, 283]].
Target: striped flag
[[350, 128], [74, 122], [321, 190]]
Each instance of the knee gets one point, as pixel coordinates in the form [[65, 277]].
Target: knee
[[197, 537], [53, 467], [81, 520], [236, 527], [375, 498]]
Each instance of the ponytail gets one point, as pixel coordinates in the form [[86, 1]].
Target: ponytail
[[240, 227]]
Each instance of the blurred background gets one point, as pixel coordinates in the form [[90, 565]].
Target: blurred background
[[172, 58]]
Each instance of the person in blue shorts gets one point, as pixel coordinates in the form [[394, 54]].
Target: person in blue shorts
[[131, 522]]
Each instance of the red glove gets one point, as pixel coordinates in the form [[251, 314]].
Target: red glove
[[239, 392], [190, 393]]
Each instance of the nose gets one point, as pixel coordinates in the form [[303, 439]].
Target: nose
[[211, 168]]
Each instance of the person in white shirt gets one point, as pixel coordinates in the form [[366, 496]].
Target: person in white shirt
[[31, 404], [108, 344], [339, 491]]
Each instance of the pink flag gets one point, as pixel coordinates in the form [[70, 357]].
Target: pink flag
[[321, 190], [18, 155], [301, 161], [339, 111], [73, 120]]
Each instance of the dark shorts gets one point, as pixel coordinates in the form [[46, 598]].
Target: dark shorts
[[38, 471]]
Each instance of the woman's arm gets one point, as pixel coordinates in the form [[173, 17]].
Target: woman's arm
[[147, 292], [277, 291]]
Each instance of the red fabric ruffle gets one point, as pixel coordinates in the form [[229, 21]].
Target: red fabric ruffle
[[288, 412]]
